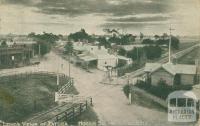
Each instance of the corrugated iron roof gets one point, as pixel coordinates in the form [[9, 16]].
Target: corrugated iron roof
[[171, 68], [151, 67], [180, 68]]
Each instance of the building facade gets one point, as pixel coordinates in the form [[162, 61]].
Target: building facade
[[171, 74], [16, 54]]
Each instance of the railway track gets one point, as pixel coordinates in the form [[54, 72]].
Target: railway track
[[164, 60]]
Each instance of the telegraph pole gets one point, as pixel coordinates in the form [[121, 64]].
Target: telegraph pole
[[170, 42], [129, 92], [69, 65], [39, 50], [0, 25]]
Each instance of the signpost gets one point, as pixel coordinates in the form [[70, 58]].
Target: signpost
[[63, 97], [68, 98], [13, 60]]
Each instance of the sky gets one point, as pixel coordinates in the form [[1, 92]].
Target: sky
[[129, 16]]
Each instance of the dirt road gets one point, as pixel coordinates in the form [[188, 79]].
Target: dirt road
[[110, 103]]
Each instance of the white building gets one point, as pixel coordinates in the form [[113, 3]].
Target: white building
[[88, 54]]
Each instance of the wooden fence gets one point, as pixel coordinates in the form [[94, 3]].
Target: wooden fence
[[34, 75], [66, 85], [73, 111], [155, 99], [26, 74], [64, 112]]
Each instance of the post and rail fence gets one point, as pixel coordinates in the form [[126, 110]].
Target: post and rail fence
[[66, 111]]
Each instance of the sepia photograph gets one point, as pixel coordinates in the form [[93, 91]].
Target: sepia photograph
[[99, 62]]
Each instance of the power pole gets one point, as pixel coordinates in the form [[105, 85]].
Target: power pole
[[129, 92], [0, 25], [170, 41], [39, 51], [137, 53], [69, 64]]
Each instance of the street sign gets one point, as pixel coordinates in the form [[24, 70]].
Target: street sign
[[69, 98], [63, 97]]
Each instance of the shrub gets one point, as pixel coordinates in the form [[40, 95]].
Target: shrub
[[122, 52], [147, 41], [162, 90], [153, 52], [126, 89]]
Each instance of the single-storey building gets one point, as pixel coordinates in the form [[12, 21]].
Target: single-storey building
[[16, 53], [171, 74], [106, 60], [96, 56], [85, 60]]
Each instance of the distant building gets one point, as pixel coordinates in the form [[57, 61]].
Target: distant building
[[16, 53], [171, 74], [96, 56]]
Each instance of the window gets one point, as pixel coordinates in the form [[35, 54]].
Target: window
[[190, 102], [181, 102], [173, 102]]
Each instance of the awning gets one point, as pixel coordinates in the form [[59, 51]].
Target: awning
[[88, 58]]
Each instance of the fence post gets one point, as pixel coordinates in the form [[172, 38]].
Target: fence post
[[73, 112], [80, 108], [66, 115], [56, 118], [91, 102], [86, 104]]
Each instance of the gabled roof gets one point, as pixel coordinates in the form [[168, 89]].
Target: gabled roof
[[180, 68], [171, 68], [151, 67], [106, 56], [123, 58], [88, 58]]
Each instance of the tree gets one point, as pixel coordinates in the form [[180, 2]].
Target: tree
[[45, 48], [3, 44], [45, 37], [79, 36], [153, 52], [44, 41], [31, 35], [68, 48], [147, 41], [162, 42], [111, 31], [135, 53], [141, 35], [175, 42], [164, 36], [122, 52], [103, 42], [127, 39], [156, 37], [165, 41], [115, 39]]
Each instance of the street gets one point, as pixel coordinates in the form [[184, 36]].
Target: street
[[110, 103]]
